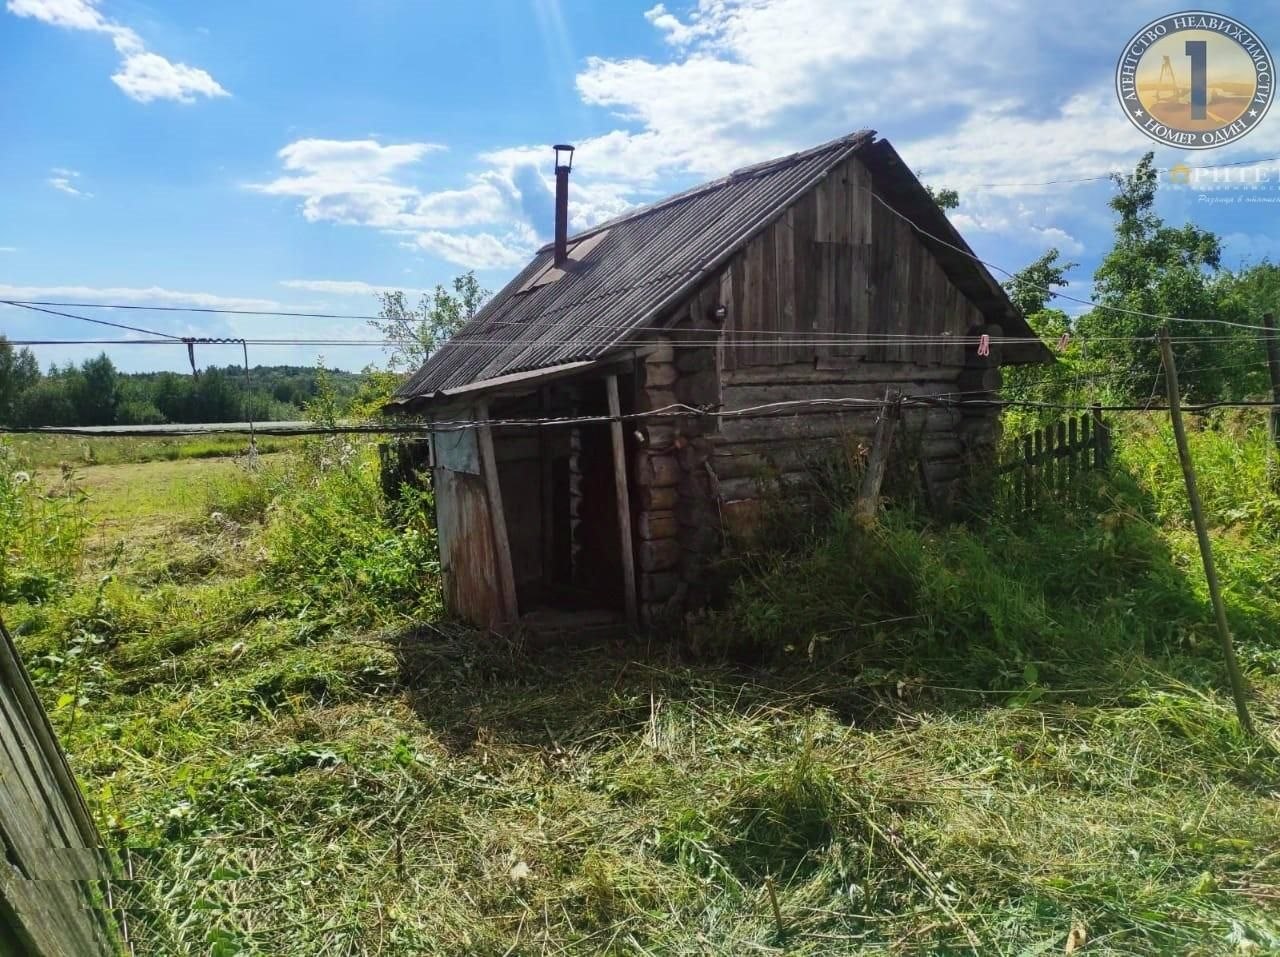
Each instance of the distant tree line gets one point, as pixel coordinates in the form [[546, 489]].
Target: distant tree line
[[95, 392]]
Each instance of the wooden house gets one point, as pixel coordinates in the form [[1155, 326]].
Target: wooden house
[[828, 274]]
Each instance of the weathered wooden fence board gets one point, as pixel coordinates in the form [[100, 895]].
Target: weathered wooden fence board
[[1054, 458], [54, 869]]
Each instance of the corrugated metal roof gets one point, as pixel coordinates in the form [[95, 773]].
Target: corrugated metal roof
[[646, 258], [644, 266]]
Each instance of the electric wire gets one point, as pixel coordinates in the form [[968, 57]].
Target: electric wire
[[100, 322], [1094, 179]]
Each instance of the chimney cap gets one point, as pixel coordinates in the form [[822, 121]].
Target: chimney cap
[[564, 148]]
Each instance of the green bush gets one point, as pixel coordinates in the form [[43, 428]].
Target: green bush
[[332, 536]]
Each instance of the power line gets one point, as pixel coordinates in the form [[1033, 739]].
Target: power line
[[1048, 289], [1094, 179], [201, 342], [794, 337], [204, 309], [787, 408], [100, 322]]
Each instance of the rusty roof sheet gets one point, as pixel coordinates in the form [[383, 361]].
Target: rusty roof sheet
[[644, 265]]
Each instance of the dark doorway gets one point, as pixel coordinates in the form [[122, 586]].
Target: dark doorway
[[597, 537]]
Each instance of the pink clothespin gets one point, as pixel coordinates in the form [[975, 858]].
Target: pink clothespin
[[1064, 342], [984, 345]]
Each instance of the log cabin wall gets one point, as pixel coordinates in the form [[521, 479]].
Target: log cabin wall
[[807, 299], [802, 298]]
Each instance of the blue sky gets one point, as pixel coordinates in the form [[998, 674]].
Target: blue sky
[[292, 155]]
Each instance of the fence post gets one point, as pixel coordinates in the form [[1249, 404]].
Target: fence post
[[1037, 470], [1202, 534], [1062, 469], [1086, 442], [1027, 460], [1073, 446], [1102, 439], [869, 493], [1273, 365]]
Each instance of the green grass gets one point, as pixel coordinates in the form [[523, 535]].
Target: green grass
[[45, 451], [923, 739]]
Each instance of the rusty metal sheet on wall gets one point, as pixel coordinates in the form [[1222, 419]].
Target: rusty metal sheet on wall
[[457, 451]]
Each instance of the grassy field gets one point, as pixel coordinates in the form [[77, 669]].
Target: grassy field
[[55, 450], [1006, 739]]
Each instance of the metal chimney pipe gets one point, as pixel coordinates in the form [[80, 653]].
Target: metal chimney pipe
[[562, 202]]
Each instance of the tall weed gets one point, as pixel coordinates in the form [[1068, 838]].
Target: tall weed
[[42, 529], [1013, 600]]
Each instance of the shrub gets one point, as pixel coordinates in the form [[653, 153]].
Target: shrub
[[331, 534]]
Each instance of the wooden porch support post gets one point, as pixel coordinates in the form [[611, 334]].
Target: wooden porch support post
[[624, 499], [497, 517], [547, 477]]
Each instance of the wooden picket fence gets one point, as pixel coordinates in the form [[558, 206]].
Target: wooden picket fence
[[1053, 459]]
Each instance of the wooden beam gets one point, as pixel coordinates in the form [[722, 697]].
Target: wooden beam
[[624, 499], [547, 480], [497, 517], [873, 478]]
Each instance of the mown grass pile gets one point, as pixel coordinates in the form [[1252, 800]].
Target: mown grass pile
[[991, 737]]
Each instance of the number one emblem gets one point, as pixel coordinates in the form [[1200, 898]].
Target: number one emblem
[[1197, 50]]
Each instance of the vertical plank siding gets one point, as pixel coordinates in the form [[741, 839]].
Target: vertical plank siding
[[803, 296], [836, 265], [50, 900]]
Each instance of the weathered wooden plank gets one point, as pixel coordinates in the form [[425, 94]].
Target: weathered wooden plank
[[842, 290], [860, 202], [859, 302], [751, 322], [624, 500], [47, 902], [822, 211], [768, 352], [809, 425], [727, 350], [838, 206], [736, 396], [878, 460], [843, 370], [785, 284], [497, 517], [1074, 445], [879, 280], [807, 273], [738, 271]]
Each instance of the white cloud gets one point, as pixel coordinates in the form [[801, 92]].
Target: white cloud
[[62, 179], [143, 76], [738, 81], [476, 250], [149, 76], [368, 183], [150, 295], [349, 181], [347, 287]]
